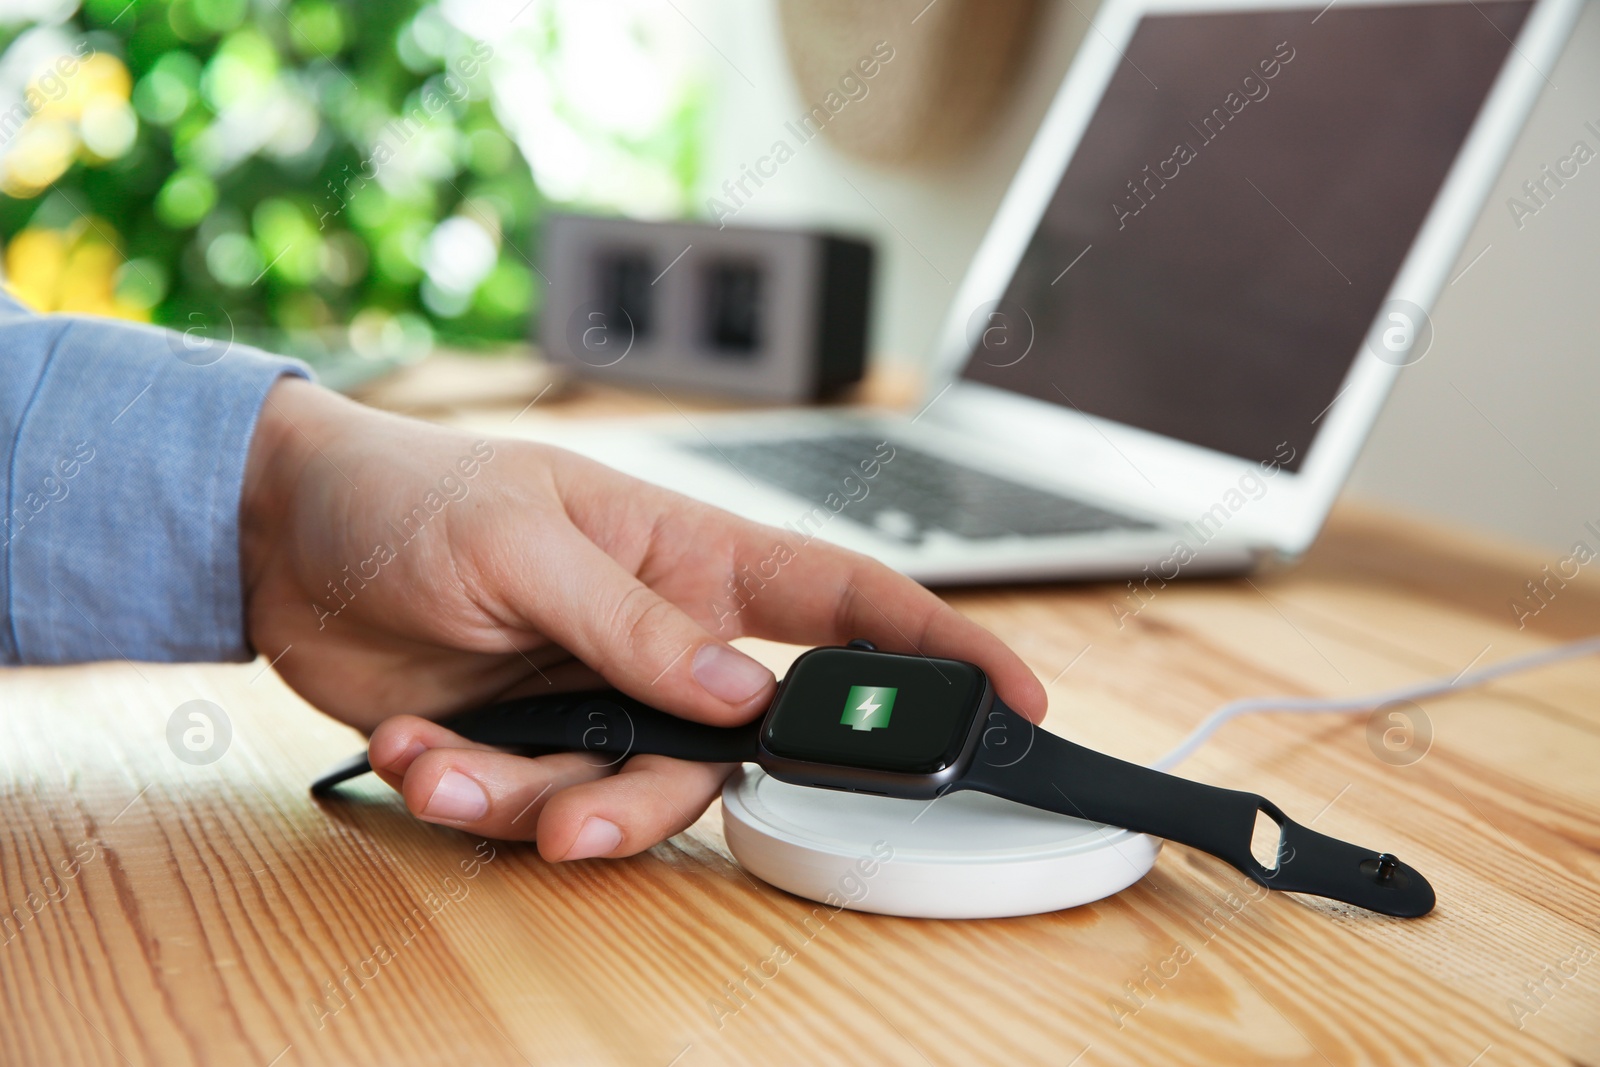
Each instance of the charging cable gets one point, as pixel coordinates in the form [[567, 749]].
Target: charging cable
[[1438, 687]]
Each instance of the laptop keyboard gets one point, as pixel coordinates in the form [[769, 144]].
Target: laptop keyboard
[[913, 493]]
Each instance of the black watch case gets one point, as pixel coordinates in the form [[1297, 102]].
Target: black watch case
[[943, 715]]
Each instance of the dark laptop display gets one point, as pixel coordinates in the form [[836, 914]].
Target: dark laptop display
[[1239, 205]]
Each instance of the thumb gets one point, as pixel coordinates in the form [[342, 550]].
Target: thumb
[[640, 642]]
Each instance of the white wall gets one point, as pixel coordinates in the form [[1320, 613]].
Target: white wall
[[927, 221], [1516, 335]]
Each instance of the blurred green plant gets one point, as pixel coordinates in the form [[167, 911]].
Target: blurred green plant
[[308, 168]]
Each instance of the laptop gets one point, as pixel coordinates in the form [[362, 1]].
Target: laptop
[[1216, 258]]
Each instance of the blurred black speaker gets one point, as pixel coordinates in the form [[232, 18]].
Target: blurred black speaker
[[778, 315]]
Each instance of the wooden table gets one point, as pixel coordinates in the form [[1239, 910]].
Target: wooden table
[[167, 913]]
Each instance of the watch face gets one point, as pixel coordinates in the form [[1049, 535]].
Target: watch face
[[875, 710]]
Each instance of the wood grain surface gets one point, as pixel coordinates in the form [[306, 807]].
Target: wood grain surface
[[159, 912]]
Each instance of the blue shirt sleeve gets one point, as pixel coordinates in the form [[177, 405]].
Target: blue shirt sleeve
[[122, 455]]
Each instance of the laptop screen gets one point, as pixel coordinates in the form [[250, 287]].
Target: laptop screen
[[1239, 204]]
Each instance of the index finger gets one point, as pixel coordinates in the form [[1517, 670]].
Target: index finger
[[827, 594]]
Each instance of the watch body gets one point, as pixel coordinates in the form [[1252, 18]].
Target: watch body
[[875, 722]]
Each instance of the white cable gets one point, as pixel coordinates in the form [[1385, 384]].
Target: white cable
[[1464, 680]]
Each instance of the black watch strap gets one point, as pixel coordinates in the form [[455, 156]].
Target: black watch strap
[[602, 721], [1019, 761], [1015, 760]]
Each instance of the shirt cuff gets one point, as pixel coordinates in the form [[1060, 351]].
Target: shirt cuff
[[122, 532]]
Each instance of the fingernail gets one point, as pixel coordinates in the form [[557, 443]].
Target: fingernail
[[729, 675], [597, 837], [401, 762], [456, 798]]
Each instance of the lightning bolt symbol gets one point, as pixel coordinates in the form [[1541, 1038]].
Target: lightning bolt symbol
[[868, 705]]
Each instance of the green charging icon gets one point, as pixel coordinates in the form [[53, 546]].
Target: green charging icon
[[868, 707]]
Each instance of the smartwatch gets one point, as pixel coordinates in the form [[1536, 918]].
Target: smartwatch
[[917, 727]]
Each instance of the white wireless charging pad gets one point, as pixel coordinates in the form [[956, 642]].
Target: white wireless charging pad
[[963, 856]]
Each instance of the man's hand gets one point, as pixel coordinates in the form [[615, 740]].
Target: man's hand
[[417, 571]]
